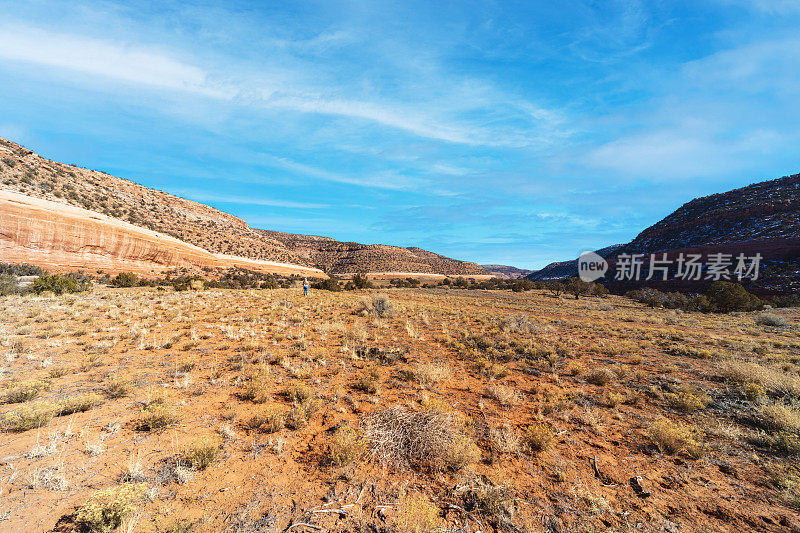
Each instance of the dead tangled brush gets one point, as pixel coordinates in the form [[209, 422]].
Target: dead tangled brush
[[378, 305], [427, 440]]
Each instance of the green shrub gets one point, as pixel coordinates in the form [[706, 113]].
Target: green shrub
[[58, 284], [125, 279], [725, 297]]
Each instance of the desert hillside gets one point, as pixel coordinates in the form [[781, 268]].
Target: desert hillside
[[23, 171], [761, 218]]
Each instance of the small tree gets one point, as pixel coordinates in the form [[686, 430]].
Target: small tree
[[576, 287], [125, 279], [555, 287], [360, 281], [726, 297]]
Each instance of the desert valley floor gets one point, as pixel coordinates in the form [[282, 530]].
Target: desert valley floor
[[401, 410]]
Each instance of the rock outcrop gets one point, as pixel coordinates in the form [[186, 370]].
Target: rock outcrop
[[23, 171], [61, 237]]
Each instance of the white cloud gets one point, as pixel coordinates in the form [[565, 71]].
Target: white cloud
[[289, 87], [685, 151], [108, 59]]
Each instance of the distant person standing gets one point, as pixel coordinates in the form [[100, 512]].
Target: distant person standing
[[305, 286]]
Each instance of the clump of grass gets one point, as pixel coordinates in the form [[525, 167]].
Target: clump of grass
[[79, 404], [106, 509], [25, 391], [188, 365], [774, 382], [787, 480], [771, 319], [517, 324], [688, 398], [200, 454], [57, 371], [28, 416], [502, 440], [270, 421], [416, 514], [119, 386], [157, 416], [427, 440], [779, 417], [427, 374], [539, 437], [298, 392], [674, 437], [576, 368], [754, 392], [255, 385], [368, 381], [601, 376], [378, 305], [346, 445], [298, 415], [505, 396], [488, 499]]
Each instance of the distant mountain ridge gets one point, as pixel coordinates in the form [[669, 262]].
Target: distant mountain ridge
[[506, 272], [762, 218], [25, 172], [567, 269]]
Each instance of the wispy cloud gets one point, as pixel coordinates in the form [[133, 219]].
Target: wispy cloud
[[106, 59], [201, 196]]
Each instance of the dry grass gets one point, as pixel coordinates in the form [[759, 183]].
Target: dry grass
[[675, 437], [773, 381], [119, 386], [368, 381], [505, 396], [346, 446], [428, 374], [106, 509], [157, 416], [779, 417], [200, 454], [771, 319], [79, 403], [255, 387], [600, 376], [271, 420], [28, 416], [25, 391], [416, 514], [539, 437], [377, 305], [428, 440], [688, 398]]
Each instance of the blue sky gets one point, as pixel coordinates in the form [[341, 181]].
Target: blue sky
[[498, 132]]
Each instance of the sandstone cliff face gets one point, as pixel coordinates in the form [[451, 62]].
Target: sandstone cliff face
[[62, 237], [25, 172]]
